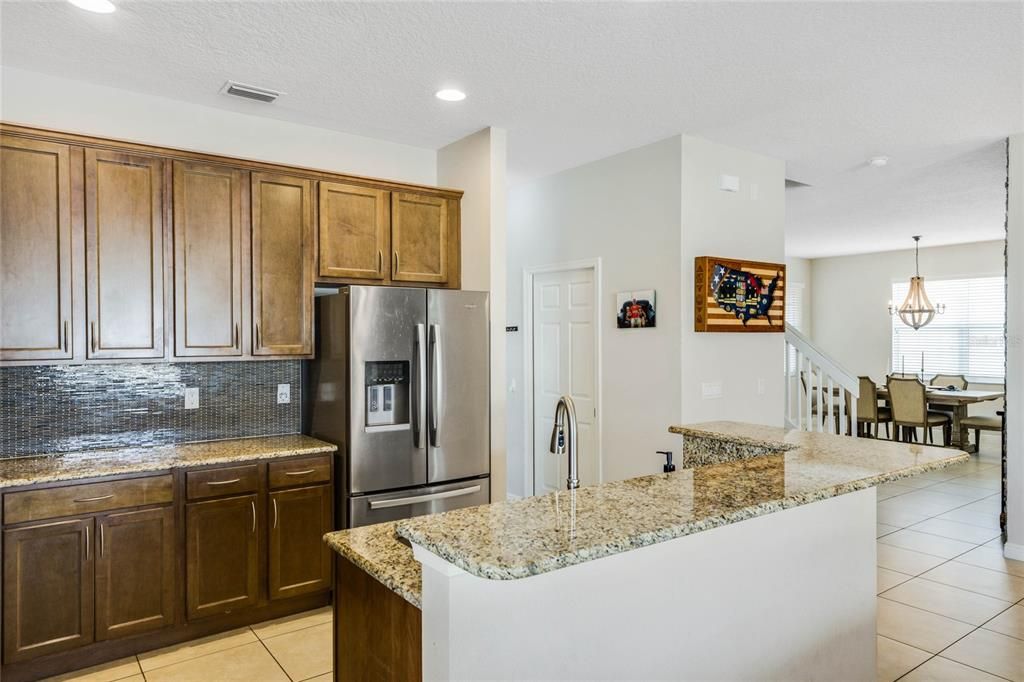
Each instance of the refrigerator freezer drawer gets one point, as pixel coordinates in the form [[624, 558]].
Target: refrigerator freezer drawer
[[404, 504]]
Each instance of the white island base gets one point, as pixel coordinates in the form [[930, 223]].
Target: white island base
[[788, 595]]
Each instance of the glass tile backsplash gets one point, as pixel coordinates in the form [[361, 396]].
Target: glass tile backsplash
[[65, 408]]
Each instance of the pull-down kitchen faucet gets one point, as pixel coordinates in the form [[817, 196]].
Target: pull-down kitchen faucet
[[563, 438]]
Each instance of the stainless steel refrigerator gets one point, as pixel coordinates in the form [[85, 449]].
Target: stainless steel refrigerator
[[400, 384]]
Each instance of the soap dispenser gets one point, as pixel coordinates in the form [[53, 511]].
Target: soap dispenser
[[669, 467]]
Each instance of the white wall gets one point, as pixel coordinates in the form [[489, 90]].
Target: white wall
[[625, 210], [476, 164], [848, 312], [746, 224], [1015, 355], [45, 101]]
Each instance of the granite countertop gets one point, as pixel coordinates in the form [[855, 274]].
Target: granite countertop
[[70, 466], [520, 538], [378, 551]]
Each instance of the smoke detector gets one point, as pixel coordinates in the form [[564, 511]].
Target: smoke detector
[[250, 92]]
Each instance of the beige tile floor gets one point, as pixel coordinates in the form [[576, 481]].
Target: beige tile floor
[[291, 649]]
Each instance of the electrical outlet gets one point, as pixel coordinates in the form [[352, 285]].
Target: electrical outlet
[[192, 398], [284, 393], [711, 389], [760, 386]]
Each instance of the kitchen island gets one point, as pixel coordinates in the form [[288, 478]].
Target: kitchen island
[[756, 561]]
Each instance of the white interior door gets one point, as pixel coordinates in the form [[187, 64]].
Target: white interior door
[[564, 356]]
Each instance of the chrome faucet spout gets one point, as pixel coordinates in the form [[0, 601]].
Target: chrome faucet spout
[[563, 438]]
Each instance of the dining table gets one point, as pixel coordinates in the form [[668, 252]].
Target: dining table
[[959, 400]]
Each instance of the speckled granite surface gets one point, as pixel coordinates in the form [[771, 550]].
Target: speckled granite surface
[[510, 540], [378, 551], [70, 466]]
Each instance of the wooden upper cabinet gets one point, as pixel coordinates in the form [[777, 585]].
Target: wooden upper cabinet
[[124, 255], [35, 250], [354, 231], [207, 260], [48, 588], [282, 265], [135, 560], [419, 238]]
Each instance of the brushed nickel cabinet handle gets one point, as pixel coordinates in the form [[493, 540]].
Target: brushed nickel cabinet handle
[[395, 269], [235, 337], [227, 482], [253, 516], [258, 345], [380, 260], [95, 499], [275, 511], [87, 543], [65, 336], [102, 542], [92, 336], [307, 472]]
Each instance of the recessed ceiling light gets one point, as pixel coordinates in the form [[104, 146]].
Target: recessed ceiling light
[[98, 6], [878, 161], [450, 95]]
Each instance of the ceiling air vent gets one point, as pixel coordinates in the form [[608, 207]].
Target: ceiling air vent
[[250, 92]]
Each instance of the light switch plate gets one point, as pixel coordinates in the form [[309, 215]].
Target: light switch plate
[[729, 183], [192, 398], [284, 393], [711, 389]]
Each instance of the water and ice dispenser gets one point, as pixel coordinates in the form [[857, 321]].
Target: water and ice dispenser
[[387, 394]]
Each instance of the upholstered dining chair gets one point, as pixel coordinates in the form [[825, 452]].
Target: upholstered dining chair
[[909, 401], [868, 411], [981, 423], [957, 381]]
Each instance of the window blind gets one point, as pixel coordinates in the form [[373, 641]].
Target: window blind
[[968, 339], [794, 316]]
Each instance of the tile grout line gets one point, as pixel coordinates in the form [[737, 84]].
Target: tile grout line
[[279, 664]]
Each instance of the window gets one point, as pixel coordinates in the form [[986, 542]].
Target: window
[[968, 339], [794, 316]]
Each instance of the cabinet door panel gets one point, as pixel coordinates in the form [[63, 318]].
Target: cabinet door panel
[[134, 572], [35, 251], [124, 255], [353, 231], [222, 555], [282, 267], [207, 260], [48, 588], [419, 238], [300, 561]]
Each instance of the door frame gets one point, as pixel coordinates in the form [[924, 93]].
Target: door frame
[[529, 274]]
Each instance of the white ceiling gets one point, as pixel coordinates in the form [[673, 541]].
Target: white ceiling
[[822, 85]]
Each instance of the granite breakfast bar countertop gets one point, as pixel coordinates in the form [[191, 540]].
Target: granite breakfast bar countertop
[[378, 550], [520, 538], [70, 466]]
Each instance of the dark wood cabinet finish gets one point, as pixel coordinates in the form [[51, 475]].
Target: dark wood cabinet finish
[[282, 265], [208, 237], [222, 481], [134, 572], [419, 238], [35, 251], [48, 588], [378, 635], [124, 235], [295, 471], [222, 555], [354, 231], [300, 561], [86, 498]]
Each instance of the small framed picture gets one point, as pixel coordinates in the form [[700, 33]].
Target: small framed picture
[[636, 309]]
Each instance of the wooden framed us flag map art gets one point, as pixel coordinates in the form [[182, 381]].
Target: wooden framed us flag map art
[[739, 295]]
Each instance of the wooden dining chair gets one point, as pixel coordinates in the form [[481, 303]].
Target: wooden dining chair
[[868, 411], [909, 400]]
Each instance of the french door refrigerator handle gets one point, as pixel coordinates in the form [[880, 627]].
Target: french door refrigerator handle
[[417, 499], [435, 382], [419, 389]]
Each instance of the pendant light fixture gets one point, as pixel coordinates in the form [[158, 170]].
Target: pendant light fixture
[[917, 310]]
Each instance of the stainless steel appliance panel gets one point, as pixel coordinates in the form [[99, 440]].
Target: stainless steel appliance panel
[[386, 328], [458, 385], [403, 504]]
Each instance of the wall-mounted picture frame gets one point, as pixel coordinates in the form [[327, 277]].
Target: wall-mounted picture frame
[[733, 295], [636, 309]]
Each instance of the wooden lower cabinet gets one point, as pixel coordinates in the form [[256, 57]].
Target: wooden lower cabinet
[[300, 561], [222, 555], [48, 588], [134, 572]]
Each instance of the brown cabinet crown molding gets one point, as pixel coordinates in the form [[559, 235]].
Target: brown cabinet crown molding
[[174, 153]]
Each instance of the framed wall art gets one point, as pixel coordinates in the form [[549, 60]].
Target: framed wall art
[[635, 309], [739, 295]]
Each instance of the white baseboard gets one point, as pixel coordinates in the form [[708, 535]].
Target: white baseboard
[[1013, 551]]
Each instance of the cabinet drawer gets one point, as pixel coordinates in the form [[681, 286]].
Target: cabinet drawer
[[222, 481], [300, 471], [72, 500]]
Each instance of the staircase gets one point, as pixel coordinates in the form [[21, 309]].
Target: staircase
[[818, 390]]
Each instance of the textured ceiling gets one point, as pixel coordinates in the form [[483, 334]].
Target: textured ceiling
[[822, 85]]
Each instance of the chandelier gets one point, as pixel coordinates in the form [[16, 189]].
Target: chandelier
[[916, 310]]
